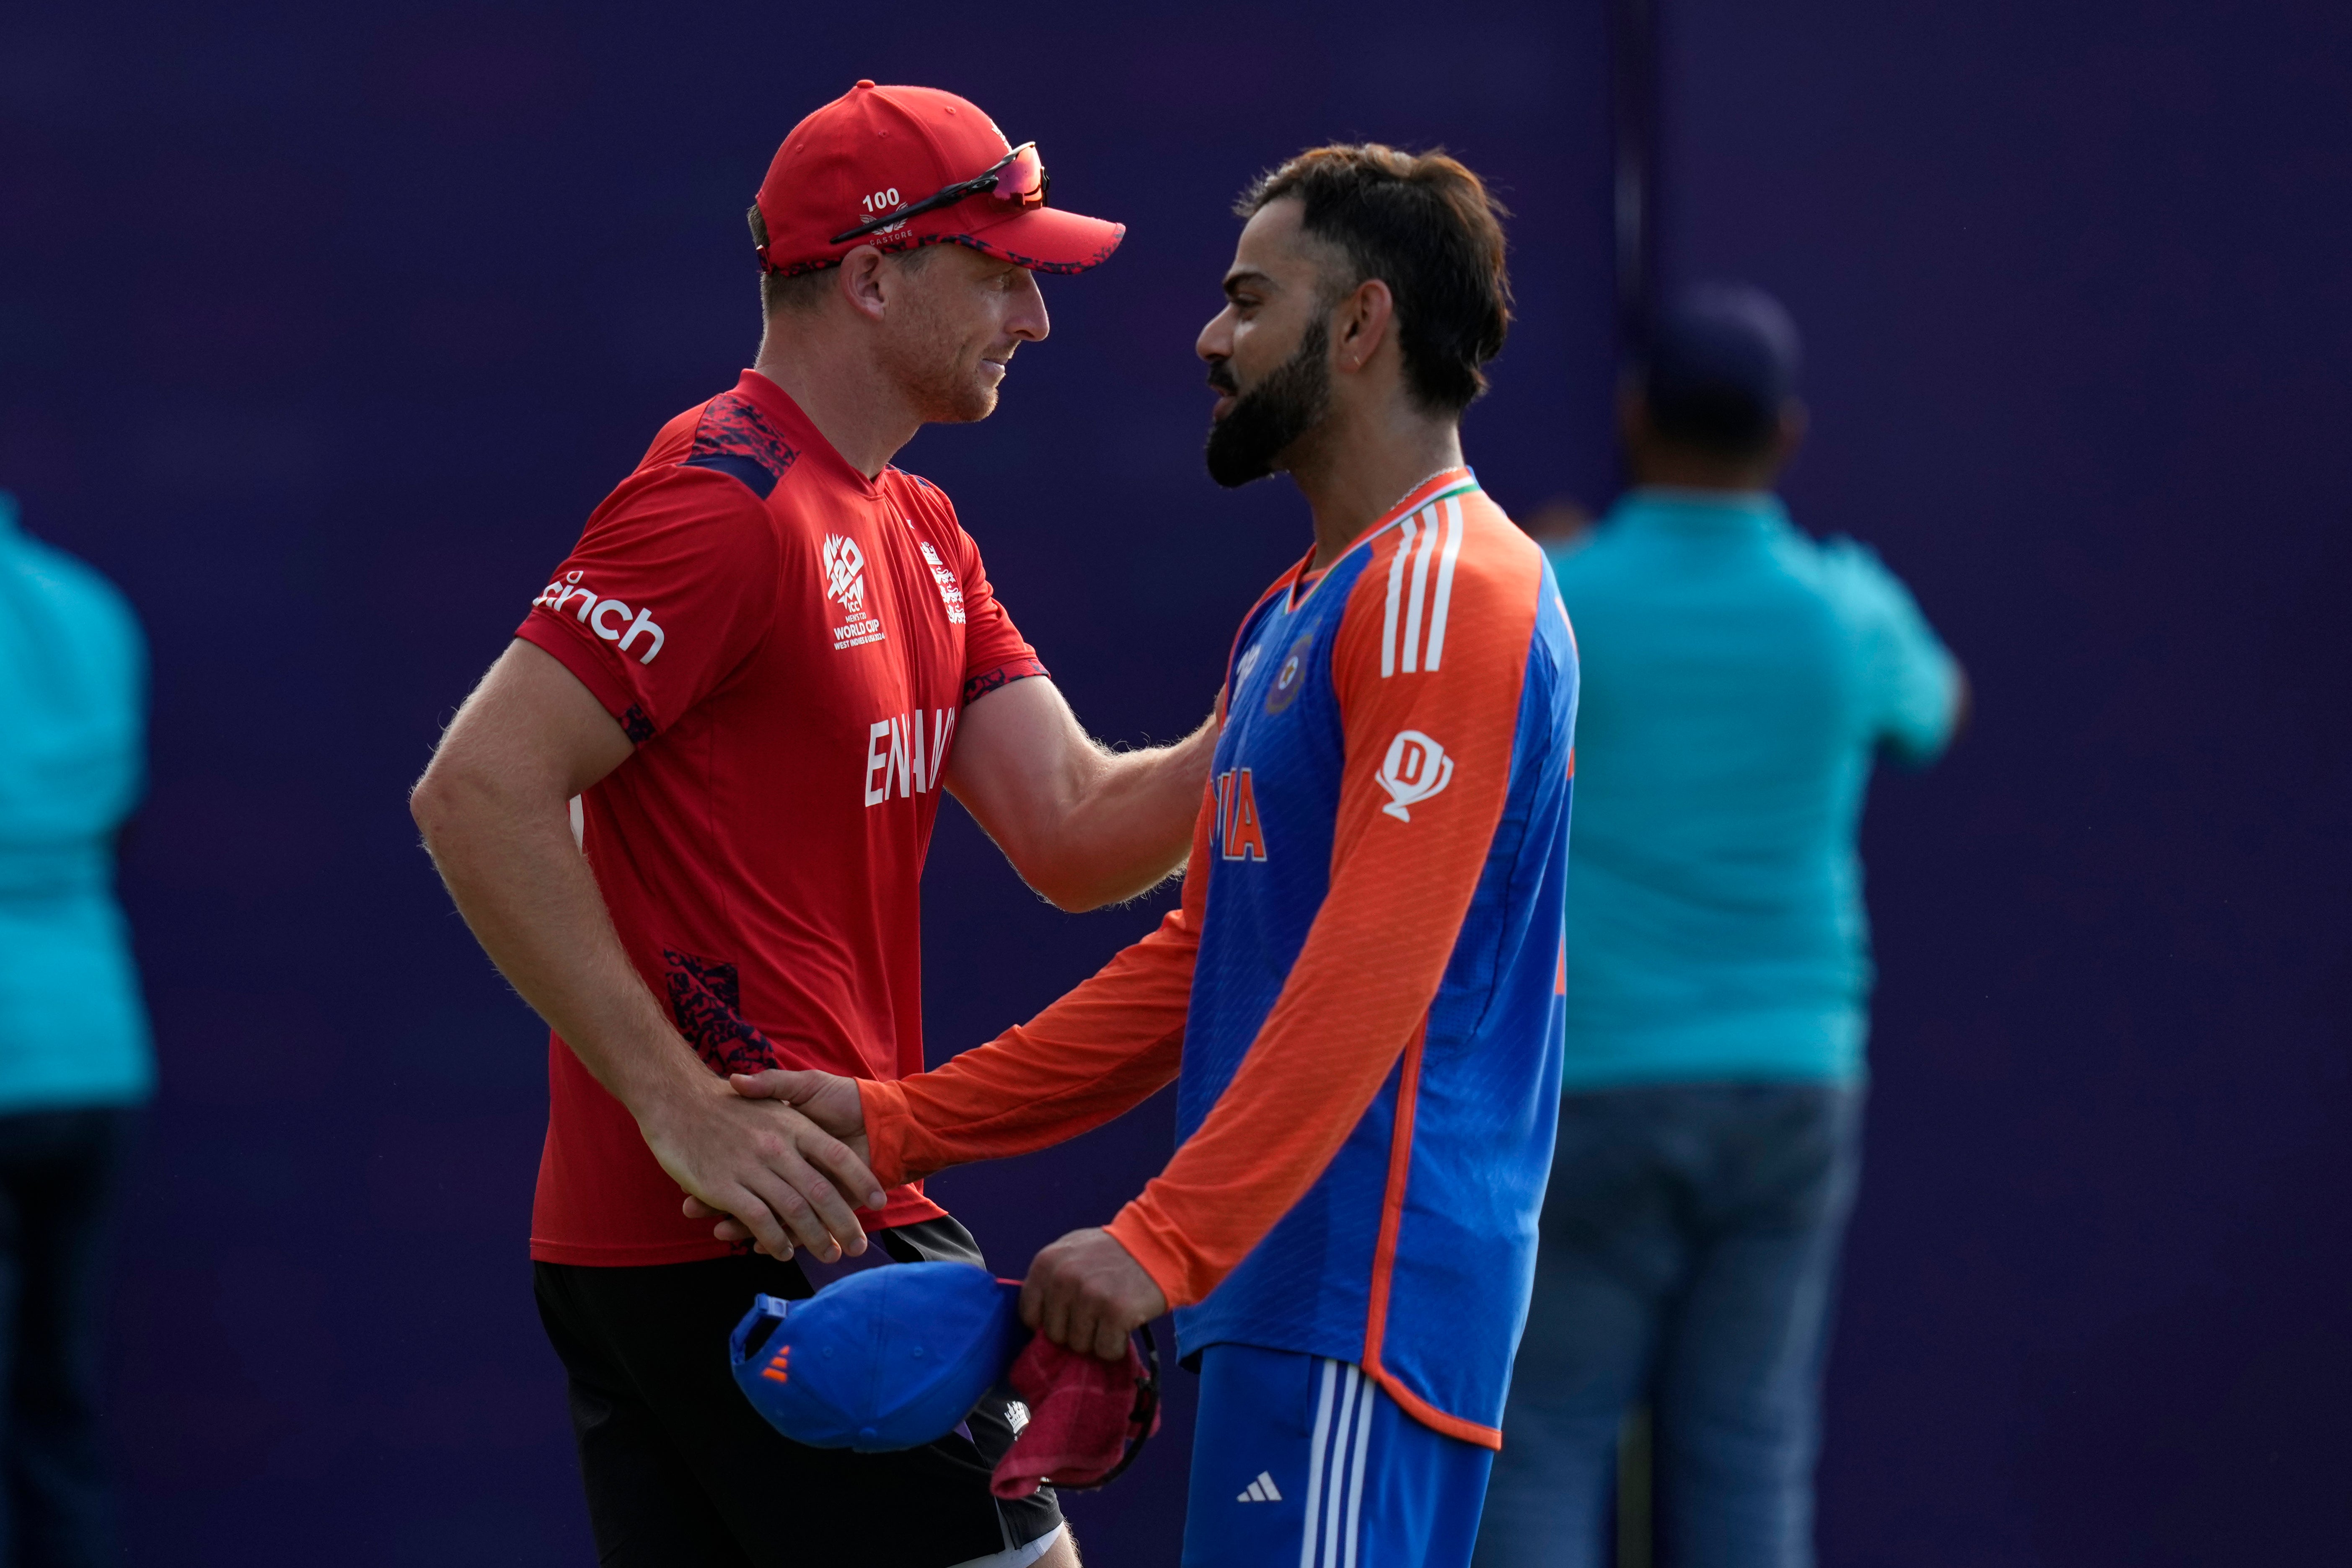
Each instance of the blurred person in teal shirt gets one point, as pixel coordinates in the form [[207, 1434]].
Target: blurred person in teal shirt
[[1739, 681], [75, 1062]]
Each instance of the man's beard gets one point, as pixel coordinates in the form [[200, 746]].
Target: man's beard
[[922, 357], [940, 391], [1263, 422]]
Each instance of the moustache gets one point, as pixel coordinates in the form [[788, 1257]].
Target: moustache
[[1221, 379]]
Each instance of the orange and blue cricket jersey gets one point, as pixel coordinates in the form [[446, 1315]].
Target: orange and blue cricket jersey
[[1360, 996]]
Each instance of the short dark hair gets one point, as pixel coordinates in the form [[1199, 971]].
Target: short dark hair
[[1428, 227], [805, 290], [1721, 366]]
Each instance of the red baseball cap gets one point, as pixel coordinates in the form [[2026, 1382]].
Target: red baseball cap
[[876, 150]]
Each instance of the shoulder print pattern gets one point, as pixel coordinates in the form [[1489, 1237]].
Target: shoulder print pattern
[[736, 439]]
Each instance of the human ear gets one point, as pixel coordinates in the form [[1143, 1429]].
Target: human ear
[[861, 282], [1364, 319], [1794, 420], [1634, 434], [1632, 413]]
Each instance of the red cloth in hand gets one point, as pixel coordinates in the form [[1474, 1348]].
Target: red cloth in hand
[[1081, 1417]]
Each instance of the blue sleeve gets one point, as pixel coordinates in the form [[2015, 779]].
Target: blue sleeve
[[1910, 680]]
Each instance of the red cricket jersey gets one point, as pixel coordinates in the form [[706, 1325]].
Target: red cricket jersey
[[789, 644]]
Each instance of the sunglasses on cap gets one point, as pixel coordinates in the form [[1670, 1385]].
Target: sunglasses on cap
[[1018, 177]]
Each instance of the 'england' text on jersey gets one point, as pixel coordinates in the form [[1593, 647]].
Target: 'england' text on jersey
[[899, 759]]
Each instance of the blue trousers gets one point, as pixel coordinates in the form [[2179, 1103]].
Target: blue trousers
[[57, 1173], [1689, 1258], [1303, 1462]]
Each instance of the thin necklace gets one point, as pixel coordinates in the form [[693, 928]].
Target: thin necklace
[[1418, 483], [1296, 598]]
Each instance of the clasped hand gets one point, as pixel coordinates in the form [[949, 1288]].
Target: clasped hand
[[1084, 1292], [778, 1174]]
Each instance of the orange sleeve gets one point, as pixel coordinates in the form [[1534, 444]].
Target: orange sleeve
[[1427, 665], [1104, 1048]]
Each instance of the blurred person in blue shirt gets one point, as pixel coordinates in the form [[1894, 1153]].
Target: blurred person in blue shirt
[[75, 1062], [1739, 681]]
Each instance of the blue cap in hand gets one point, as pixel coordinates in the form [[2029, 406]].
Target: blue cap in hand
[[885, 1359]]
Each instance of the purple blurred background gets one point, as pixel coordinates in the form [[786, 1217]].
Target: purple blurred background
[[321, 330]]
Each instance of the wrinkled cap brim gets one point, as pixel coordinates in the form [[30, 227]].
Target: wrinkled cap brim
[[1042, 239]]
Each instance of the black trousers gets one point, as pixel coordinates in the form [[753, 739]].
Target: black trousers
[[57, 1176], [682, 1472]]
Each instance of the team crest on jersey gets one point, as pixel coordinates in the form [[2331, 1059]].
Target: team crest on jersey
[[843, 565], [949, 593], [1291, 677]]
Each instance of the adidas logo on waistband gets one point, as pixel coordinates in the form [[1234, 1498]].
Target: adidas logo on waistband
[[1261, 1490]]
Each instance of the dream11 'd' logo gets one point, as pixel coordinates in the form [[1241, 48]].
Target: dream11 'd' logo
[[1415, 768]]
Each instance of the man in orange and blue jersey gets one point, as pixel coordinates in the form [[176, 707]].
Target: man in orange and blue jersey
[[1360, 996]]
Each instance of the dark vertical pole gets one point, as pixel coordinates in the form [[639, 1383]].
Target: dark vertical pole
[[1636, 1467], [1634, 93], [1633, 115]]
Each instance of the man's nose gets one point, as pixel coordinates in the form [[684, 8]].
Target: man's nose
[[1029, 321], [1216, 340]]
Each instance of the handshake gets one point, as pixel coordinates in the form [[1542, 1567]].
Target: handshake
[[813, 1171], [769, 1158]]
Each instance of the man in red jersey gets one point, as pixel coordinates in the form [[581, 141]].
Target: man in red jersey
[[768, 654]]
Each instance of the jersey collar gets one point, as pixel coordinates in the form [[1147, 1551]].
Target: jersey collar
[[1436, 487], [1700, 511], [778, 405]]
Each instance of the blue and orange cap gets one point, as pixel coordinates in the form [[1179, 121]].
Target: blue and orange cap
[[883, 1360]]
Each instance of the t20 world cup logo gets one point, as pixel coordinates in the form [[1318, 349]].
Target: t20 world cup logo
[[844, 573]]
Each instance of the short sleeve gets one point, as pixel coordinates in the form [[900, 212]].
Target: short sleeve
[[1910, 679], [995, 652], [671, 587]]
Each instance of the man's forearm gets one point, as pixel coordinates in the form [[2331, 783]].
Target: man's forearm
[[527, 893], [1094, 1054], [1084, 826], [1131, 826], [492, 810]]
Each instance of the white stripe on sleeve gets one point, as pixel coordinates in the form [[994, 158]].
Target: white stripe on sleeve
[[1396, 582], [1420, 589], [1445, 581]]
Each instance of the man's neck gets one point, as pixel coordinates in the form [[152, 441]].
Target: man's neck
[[1359, 465], [845, 395], [1710, 495], [1668, 469]]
